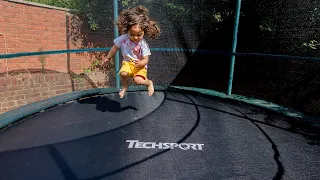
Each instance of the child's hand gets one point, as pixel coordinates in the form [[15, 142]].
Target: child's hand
[[105, 62], [138, 63]]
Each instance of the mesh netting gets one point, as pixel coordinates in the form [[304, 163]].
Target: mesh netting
[[289, 29], [188, 27]]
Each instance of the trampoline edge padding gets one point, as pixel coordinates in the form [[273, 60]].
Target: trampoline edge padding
[[256, 102], [17, 114], [24, 111]]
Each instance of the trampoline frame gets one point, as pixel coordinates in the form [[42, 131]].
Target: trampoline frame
[[15, 115]]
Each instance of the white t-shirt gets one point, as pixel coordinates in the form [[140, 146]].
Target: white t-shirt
[[132, 49]]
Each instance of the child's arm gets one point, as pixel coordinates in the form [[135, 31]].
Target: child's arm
[[142, 62], [111, 53]]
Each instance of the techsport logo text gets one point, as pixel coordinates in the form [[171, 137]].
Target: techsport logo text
[[160, 145]]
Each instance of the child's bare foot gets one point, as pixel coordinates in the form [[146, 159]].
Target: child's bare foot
[[122, 92], [150, 89]]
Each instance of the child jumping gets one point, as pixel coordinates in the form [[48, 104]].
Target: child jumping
[[133, 24]]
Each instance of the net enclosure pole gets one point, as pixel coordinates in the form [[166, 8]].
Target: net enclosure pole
[[116, 34], [234, 45]]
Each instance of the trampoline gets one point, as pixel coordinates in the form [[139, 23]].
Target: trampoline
[[191, 128], [174, 134]]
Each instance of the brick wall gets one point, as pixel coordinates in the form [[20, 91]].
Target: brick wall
[[28, 27], [23, 89]]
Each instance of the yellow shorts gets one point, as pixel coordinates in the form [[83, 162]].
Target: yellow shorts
[[132, 70]]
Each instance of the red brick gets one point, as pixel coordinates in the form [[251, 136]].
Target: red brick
[[7, 81], [19, 60], [57, 87], [4, 109], [24, 36], [37, 10], [68, 86], [45, 85], [18, 87], [11, 9], [2, 19], [47, 79], [61, 91], [37, 90], [39, 28], [14, 81], [52, 78], [61, 83], [2, 82], [19, 97], [8, 104], [48, 93], [10, 98]]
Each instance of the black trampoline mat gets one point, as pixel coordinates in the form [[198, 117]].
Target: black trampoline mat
[[210, 139]]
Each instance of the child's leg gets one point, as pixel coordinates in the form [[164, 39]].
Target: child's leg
[[124, 79], [141, 81], [125, 72]]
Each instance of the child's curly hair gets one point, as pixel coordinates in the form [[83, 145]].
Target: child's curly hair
[[138, 15]]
